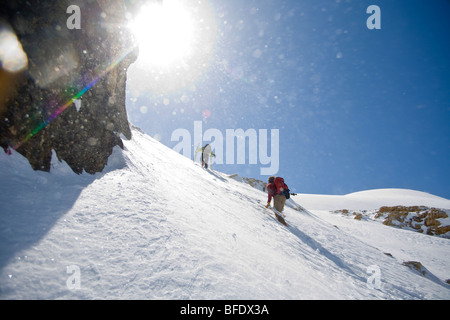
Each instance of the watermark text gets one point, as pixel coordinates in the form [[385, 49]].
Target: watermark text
[[226, 150]]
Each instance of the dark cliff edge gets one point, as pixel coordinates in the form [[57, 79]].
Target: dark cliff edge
[[69, 93]]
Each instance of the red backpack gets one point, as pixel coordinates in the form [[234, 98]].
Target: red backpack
[[282, 187]]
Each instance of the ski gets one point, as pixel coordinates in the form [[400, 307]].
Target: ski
[[278, 216]]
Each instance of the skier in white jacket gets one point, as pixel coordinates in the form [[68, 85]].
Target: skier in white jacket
[[206, 155]]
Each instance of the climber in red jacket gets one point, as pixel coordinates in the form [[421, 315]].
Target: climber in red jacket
[[279, 191]]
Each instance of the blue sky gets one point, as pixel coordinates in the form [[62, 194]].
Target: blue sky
[[356, 109]]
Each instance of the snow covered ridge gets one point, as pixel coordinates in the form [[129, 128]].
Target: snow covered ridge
[[408, 209], [255, 183], [155, 225], [373, 199]]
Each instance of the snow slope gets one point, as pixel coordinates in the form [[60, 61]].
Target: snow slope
[[155, 225]]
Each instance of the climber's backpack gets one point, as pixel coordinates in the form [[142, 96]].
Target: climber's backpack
[[282, 188]]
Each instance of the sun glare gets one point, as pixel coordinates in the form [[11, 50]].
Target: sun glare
[[164, 33], [176, 39]]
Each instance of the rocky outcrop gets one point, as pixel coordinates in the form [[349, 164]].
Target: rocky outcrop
[[431, 221], [421, 270], [70, 96], [419, 218]]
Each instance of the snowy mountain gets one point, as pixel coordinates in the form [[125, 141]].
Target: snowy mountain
[[155, 225]]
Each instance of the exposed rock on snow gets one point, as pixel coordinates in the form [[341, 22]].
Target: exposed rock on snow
[[431, 221]]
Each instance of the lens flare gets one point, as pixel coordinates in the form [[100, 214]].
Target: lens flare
[[12, 56]]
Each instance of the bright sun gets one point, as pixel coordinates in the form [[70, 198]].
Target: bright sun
[[164, 32], [177, 40]]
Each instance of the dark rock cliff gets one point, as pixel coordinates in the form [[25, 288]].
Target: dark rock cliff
[[70, 96]]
